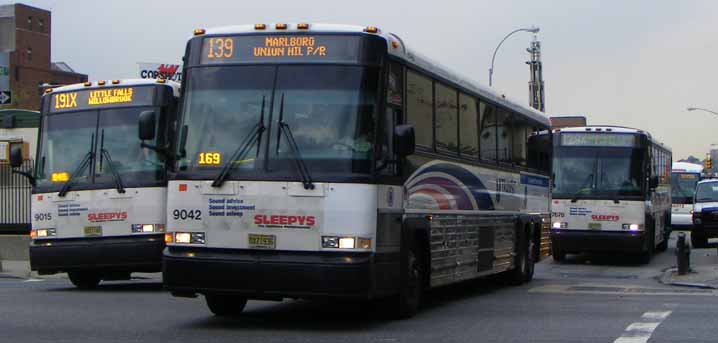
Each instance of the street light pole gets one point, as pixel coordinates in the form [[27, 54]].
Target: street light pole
[[491, 70], [701, 109]]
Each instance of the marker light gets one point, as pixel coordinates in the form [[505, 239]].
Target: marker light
[[198, 32], [371, 29], [33, 234], [631, 227], [260, 26], [87, 83], [346, 243], [280, 26], [115, 82], [161, 81], [101, 83], [559, 225], [394, 44], [169, 238], [49, 90], [363, 243], [303, 26]]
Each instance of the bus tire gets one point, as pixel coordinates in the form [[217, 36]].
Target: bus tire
[[85, 279], [557, 254], [663, 246], [413, 276], [645, 256], [225, 305], [524, 261]]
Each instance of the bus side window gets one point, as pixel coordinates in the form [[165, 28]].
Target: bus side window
[[420, 108], [503, 135], [487, 140], [521, 131], [446, 119], [468, 127]]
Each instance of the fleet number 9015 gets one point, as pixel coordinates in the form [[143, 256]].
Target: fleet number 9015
[[187, 214]]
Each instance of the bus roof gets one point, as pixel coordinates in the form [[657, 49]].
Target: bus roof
[[398, 49], [125, 82], [686, 167], [612, 129]]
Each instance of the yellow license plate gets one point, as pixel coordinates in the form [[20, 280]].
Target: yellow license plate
[[594, 226], [93, 230], [262, 241]]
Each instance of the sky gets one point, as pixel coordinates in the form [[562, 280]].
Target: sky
[[631, 63]]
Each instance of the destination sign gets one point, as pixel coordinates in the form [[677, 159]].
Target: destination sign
[[101, 97], [280, 48], [599, 139]]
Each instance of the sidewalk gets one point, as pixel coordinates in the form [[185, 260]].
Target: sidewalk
[[703, 272]]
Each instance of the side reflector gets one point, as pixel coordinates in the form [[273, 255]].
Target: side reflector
[[183, 187]]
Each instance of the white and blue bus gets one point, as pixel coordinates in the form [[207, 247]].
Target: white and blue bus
[[684, 178], [333, 161], [611, 191], [99, 191]]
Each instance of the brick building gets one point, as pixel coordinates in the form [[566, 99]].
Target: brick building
[[25, 36]]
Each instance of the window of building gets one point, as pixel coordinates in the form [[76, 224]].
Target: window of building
[[503, 135], [487, 141], [29, 54], [447, 129], [468, 127], [41, 23], [420, 107], [29, 23]]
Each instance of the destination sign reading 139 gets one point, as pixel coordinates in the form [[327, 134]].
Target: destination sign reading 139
[[102, 97], [275, 48]]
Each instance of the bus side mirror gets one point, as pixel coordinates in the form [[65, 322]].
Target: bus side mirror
[[146, 123], [405, 140], [16, 155], [653, 182]]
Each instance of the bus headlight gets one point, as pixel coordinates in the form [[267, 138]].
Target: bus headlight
[[632, 227], [336, 242], [559, 225], [147, 228], [43, 233], [189, 238]]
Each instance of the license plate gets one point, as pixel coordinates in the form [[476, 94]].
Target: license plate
[[594, 226], [262, 241], [93, 230]]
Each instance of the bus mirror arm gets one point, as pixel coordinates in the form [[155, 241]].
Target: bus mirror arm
[[16, 162]]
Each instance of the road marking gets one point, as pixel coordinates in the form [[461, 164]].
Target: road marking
[[34, 280], [640, 332]]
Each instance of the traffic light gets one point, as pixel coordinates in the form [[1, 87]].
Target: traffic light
[[707, 163]]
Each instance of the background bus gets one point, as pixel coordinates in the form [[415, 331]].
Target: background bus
[[684, 178], [310, 168], [611, 191], [99, 193]]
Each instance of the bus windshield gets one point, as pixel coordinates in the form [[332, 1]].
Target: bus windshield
[[683, 187], [67, 138], [598, 172], [328, 111], [707, 192]]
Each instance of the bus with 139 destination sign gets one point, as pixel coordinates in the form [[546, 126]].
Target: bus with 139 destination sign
[[323, 160], [611, 191], [99, 185], [684, 178]]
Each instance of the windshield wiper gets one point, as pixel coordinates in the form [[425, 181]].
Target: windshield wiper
[[298, 160], [242, 150], [80, 168], [104, 154], [580, 189]]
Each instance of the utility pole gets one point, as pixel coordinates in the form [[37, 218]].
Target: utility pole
[[536, 86]]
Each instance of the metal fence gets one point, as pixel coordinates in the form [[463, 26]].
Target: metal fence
[[15, 193]]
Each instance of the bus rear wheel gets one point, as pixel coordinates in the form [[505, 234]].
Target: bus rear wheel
[[225, 305], [85, 279]]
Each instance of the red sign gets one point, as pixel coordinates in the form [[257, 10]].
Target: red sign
[[605, 218], [273, 220], [107, 216]]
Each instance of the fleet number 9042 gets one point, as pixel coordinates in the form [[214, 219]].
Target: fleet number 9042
[[187, 214]]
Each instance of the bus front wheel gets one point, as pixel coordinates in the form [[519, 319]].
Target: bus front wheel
[[412, 283], [225, 305]]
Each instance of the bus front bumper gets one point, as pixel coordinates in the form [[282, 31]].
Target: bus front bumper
[[681, 221], [575, 241], [111, 254], [271, 275]]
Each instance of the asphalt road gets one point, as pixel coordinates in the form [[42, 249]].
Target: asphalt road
[[585, 299]]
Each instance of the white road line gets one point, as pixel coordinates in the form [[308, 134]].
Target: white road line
[[34, 280], [640, 332]]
